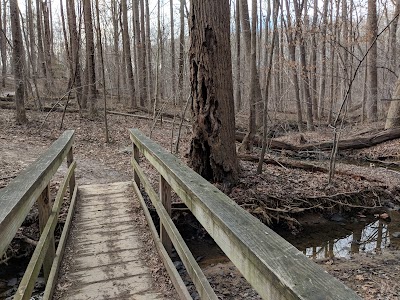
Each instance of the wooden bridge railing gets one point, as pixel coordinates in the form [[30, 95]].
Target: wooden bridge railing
[[18, 197], [275, 268]]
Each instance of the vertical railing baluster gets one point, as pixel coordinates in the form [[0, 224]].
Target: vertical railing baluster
[[70, 160], [165, 197], [136, 158], [45, 207]]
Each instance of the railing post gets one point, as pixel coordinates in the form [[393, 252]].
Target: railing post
[[70, 160], [165, 197], [44, 207], [136, 158]]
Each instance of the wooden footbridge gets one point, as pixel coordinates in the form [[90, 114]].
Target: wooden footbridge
[[106, 260]]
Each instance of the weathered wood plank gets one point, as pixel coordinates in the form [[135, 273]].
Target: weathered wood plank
[[106, 265], [165, 197], [176, 279], [17, 198], [275, 268], [27, 283], [51, 282], [44, 208], [196, 274]]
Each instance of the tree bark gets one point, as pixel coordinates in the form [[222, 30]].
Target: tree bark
[[18, 63], [181, 50], [127, 53], [238, 94], [3, 50], [292, 56], [212, 150], [173, 68], [90, 57], [372, 31], [322, 90]]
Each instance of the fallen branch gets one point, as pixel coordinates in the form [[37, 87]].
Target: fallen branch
[[138, 116], [353, 143]]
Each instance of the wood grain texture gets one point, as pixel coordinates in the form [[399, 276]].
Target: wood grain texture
[[165, 197], [275, 268], [28, 281], [104, 251], [17, 198], [196, 274], [176, 279]]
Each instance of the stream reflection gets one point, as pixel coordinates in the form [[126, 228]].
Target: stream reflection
[[342, 240]]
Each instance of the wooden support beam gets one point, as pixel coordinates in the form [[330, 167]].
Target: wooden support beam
[[70, 160], [274, 267], [44, 207], [136, 158], [17, 198], [165, 197]]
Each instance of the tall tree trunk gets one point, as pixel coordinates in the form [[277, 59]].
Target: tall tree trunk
[[313, 74], [117, 68], [303, 61], [103, 76], [295, 77], [41, 60], [127, 53], [393, 115], [47, 42], [322, 90], [173, 68], [90, 57], [31, 31], [139, 52], [3, 50], [18, 63], [75, 51], [148, 55], [181, 49], [238, 92], [255, 89], [372, 30], [143, 66], [212, 150]]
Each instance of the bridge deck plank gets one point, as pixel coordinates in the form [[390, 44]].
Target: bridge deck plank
[[102, 264]]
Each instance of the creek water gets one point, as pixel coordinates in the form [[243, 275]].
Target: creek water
[[323, 240]]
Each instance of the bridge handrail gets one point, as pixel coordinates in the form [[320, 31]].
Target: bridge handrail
[[274, 267], [18, 197]]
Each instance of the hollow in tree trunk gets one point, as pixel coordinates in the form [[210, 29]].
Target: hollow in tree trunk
[[212, 150]]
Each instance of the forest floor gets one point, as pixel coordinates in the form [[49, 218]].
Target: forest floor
[[365, 189]]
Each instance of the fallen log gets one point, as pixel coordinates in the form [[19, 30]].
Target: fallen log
[[353, 143], [286, 163], [139, 116], [274, 144], [294, 164]]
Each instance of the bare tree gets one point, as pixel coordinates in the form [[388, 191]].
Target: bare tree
[[3, 50], [372, 30], [90, 57], [181, 49], [127, 53], [18, 63]]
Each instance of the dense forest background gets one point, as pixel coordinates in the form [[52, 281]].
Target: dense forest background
[[327, 57]]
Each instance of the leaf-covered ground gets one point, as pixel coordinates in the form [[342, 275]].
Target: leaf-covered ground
[[280, 194]]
